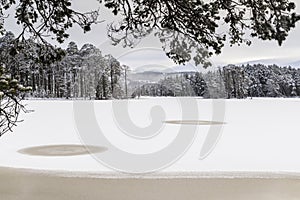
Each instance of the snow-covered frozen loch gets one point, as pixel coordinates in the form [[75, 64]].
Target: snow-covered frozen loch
[[255, 155], [260, 139]]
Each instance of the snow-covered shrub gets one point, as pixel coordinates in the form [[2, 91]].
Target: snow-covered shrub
[[10, 101]]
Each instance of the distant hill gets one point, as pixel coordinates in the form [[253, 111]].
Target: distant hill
[[154, 74], [280, 62], [146, 76], [183, 69], [295, 64], [166, 70], [150, 68]]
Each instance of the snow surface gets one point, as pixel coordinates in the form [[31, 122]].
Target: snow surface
[[260, 135]]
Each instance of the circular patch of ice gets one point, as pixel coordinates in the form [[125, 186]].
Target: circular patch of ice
[[61, 150], [194, 122]]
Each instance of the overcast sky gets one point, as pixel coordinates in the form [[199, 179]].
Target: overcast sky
[[148, 52]]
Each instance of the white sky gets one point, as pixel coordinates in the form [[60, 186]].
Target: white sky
[[149, 52]]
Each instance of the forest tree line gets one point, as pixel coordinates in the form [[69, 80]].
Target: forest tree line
[[86, 73], [229, 82], [81, 73]]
